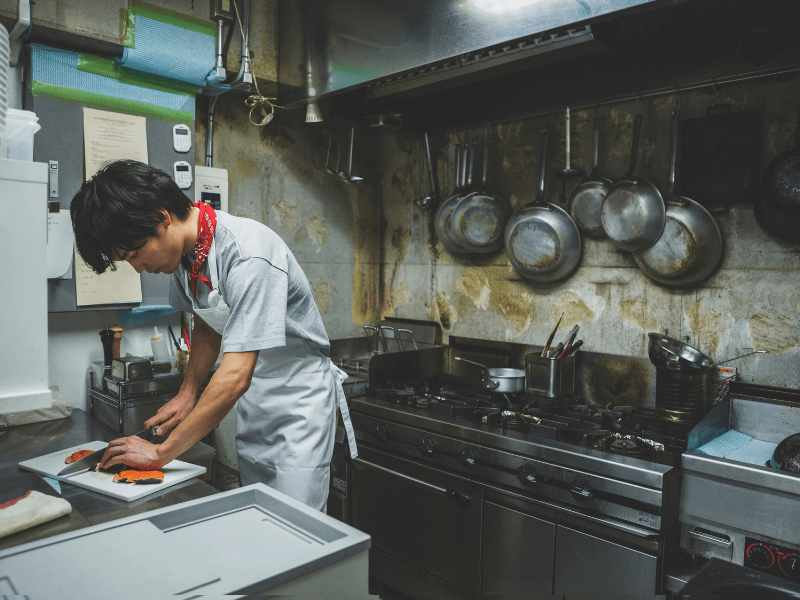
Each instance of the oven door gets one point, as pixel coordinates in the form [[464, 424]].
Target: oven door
[[599, 567], [425, 524]]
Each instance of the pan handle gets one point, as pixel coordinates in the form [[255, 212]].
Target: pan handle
[[595, 149], [637, 129], [471, 164], [464, 158], [673, 154], [430, 164], [485, 162], [539, 202]]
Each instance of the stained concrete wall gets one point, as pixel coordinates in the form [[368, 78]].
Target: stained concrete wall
[[750, 302], [277, 176]]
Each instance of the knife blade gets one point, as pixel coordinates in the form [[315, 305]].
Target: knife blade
[[87, 462]]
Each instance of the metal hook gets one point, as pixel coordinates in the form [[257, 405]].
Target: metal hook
[[714, 87], [676, 96], [638, 101]]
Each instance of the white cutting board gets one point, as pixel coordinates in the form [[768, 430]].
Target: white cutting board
[[50, 464]]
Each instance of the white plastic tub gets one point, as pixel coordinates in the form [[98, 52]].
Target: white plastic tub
[[17, 142]]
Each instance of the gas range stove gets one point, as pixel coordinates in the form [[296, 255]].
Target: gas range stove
[[623, 430]]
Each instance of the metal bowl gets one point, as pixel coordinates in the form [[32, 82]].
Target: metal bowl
[[673, 355]]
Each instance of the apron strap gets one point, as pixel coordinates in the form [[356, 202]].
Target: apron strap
[[340, 376]]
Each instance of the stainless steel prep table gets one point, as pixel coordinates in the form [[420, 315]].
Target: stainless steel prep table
[[23, 442]]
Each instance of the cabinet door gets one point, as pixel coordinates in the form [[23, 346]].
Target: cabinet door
[[414, 522], [516, 553], [590, 565]]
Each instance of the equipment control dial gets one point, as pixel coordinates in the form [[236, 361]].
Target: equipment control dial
[[382, 431], [427, 446], [527, 474], [581, 489], [760, 556], [468, 457], [790, 566]]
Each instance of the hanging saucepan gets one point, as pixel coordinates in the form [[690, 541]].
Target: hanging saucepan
[[633, 213], [586, 200], [500, 380], [479, 220], [690, 246], [542, 241], [446, 208], [673, 355], [780, 183]]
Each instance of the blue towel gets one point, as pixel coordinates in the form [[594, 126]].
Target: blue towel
[[140, 314], [738, 446]]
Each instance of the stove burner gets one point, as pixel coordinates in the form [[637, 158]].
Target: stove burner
[[626, 447]]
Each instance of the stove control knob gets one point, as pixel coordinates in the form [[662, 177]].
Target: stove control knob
[[527, 474], [382, 431], [468, 457], [581, 489], [790, 565], [426, 446], [760, 556]]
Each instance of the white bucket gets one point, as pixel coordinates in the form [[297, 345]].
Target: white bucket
[[17, 142]]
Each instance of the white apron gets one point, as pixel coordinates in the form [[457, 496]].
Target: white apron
[[285, 426]]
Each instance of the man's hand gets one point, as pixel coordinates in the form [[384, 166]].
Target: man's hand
[[134, 452], [172, 413]]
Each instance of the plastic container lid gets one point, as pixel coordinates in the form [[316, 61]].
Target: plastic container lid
[[20, 127]]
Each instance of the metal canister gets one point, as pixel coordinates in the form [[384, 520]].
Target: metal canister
[[682, 396]]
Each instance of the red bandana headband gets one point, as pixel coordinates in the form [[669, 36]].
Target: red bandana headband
[[206, 225]]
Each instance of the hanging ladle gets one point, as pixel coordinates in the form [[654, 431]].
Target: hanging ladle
[[327, 168], [567, 172], [349, 177], [431, 198]]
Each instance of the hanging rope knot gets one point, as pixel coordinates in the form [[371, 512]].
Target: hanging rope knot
[[261, 102]]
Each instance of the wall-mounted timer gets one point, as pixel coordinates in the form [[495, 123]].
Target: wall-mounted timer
[[181, 138], [182, 172]]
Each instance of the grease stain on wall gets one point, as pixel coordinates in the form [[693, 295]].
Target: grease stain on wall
[[574, 308], [708, 324], [443, 312], [776, 334], [397, 297], [286, 215], [475, 285], [638, 313], [318, 229], [514, 302]]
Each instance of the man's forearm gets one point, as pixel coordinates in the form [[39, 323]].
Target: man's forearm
[[231, 380], [205, 350]]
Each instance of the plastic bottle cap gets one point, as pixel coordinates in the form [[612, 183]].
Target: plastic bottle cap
[[156, 336]]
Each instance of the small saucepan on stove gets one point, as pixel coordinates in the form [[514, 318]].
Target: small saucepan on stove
[[501, 380], [787, 454]]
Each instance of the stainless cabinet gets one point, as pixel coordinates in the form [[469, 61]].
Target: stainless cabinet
[[596, 567], [420, 516], [516, 553]]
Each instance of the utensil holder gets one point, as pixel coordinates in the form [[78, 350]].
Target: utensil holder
[[550, 377]]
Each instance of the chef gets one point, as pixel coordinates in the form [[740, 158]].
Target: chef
[[252, 301]]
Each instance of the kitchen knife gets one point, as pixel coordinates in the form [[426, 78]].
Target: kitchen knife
[[552, 335], [87, 462]]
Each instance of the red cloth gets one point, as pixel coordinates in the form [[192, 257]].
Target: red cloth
[[206, 225]]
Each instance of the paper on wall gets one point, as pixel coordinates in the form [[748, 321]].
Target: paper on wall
[[112, 287], [109, 136], [60, 238]]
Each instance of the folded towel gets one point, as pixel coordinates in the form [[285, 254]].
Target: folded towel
[[31, 509], [735, 445]]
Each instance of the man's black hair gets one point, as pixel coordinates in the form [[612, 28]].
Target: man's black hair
[[117, 209]]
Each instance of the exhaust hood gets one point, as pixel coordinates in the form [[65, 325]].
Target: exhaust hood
[[409, 47]]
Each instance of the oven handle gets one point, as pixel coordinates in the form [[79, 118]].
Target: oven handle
[[456, 497]]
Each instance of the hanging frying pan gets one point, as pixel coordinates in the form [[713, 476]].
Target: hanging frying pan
[[690, 246], [633, 213], [780, 183], [479, 220], [586, 200], [542, 241]]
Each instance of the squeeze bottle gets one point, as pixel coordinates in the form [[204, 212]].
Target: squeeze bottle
[[159, 344]]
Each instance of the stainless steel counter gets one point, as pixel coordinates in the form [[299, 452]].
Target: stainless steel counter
[[88, 508]]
